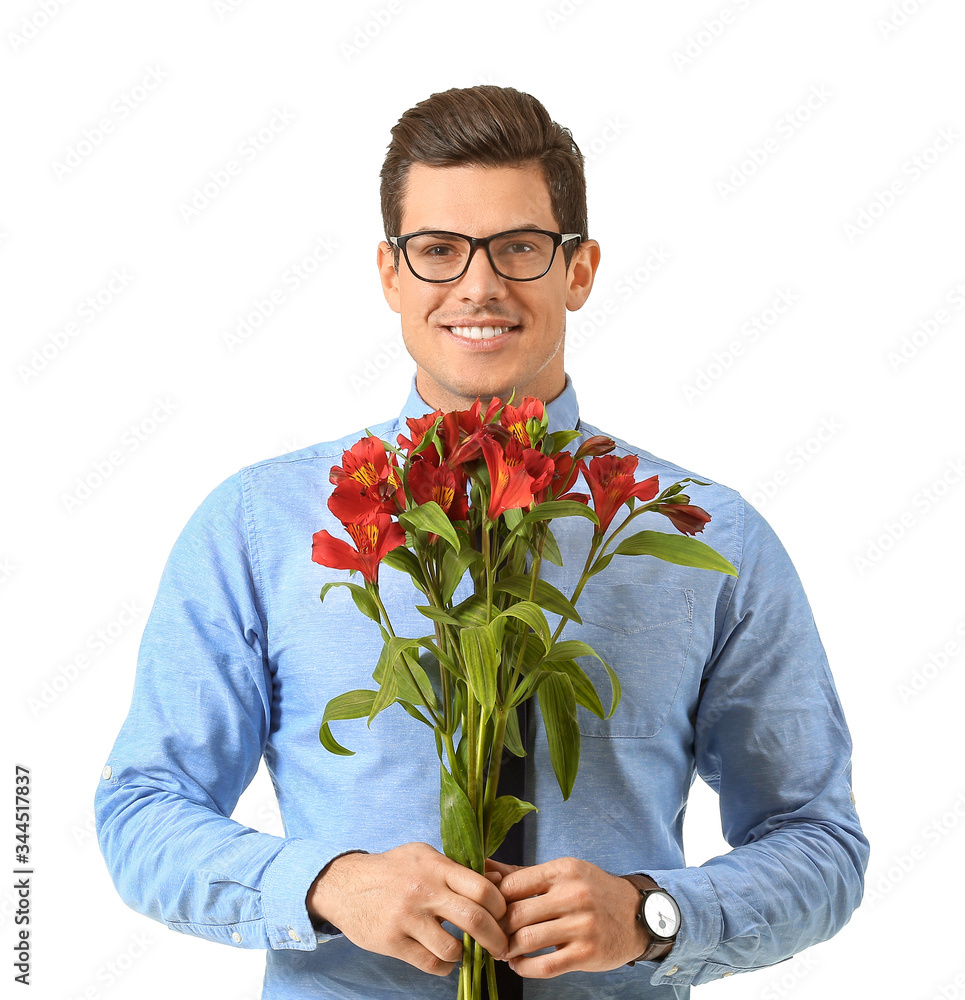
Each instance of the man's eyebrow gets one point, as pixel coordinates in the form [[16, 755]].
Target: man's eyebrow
[[511, 229]]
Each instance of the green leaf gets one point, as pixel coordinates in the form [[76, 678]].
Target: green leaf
[[404, 560], [480, 654], [557, 704], [679, 549], [472, 611], [414, 683], [560, 439], [547, 596], [415, 713], [551, 550], [350, 705], [512, 741], [363, 599], [460, 832], [532, 615], [454, 566], [561, 508], [387, 693], [513, 517], [430, 517], [600, 565], [437, 614], [529, 687], [568, 649], [507, 812], [583, 689]]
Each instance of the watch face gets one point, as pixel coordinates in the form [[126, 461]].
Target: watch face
[[661, 914]]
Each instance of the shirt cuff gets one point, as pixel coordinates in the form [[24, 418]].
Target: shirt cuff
[[701, 929], [283, 891]]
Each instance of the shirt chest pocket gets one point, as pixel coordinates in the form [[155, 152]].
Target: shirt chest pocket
[[644, 632]]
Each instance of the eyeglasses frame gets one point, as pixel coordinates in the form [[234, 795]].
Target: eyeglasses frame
[[399, 242]]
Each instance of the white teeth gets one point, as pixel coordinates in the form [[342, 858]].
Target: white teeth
[[478, 332]]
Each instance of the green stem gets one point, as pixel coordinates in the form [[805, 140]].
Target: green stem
[[492, 779], [581, 583], [373, 589]]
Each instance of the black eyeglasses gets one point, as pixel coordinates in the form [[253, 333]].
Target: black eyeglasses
[[516, 254]]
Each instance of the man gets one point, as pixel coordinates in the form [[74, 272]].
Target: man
[[723, 678]]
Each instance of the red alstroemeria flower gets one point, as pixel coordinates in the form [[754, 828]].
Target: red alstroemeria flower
[[442, 484], [687, 518], [417, 428], [595, 446], [353, 503], [510, 485], [565, 471], [515, 418], [612, 484], [372, 542], [542, 468], [365, 483], [462, 432]]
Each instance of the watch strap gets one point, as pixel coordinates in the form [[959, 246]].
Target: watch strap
[[658, 948]]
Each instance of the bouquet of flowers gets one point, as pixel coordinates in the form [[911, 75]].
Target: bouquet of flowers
[[475, 492]]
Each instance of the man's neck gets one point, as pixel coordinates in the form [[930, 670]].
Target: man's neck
[[440, 399]]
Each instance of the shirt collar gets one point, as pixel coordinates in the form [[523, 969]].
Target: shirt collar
[[563, 412]]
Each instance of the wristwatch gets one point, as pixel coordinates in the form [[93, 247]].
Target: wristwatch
[[660, 915]]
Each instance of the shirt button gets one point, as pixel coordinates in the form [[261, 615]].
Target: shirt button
[[726, 974], [236, 937], [293, 934], [672, 971], [107, 772]]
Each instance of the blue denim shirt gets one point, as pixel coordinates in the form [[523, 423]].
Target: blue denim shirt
[[723, 678]]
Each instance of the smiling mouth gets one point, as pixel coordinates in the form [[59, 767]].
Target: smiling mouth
[[479, 332]]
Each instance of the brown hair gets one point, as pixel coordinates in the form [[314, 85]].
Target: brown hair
[[491, 127]]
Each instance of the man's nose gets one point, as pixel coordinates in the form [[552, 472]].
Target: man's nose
[[480, 280]]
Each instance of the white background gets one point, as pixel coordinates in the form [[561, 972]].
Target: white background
[[852, 449]]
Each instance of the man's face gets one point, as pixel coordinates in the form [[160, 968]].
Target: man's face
[[453, 369]]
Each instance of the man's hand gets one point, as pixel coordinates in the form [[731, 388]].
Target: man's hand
[[586, 914], [394, 904]]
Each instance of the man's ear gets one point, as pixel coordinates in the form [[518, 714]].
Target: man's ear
[[580, 273], [389, 276]]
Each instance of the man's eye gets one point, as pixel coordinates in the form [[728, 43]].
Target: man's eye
[[518, 248]]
